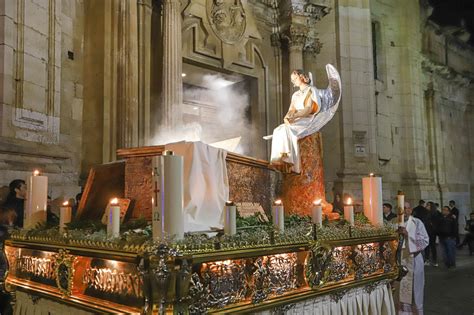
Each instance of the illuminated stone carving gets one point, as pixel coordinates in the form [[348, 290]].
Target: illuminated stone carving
[[227, 19], [64, 271]]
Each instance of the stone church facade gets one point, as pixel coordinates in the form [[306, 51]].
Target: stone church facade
[[83, 78]]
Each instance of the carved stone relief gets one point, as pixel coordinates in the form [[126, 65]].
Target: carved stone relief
[[220, 32], [227, 19]]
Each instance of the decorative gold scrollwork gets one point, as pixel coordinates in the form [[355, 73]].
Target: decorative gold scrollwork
[[317, 264], [64, 269]]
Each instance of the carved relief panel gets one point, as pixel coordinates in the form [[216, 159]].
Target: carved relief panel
[[219, 33]]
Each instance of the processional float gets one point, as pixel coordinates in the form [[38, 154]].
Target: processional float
[[257, 269]]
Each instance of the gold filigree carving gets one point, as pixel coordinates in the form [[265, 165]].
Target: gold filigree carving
[[64, 270]]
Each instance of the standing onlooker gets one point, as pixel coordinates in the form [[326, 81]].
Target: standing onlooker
[[16, 200], [447, 237], [431, 221], [412, 286], [388, 215], [455, 213], [420, 211], [338, 204], [469, 238]]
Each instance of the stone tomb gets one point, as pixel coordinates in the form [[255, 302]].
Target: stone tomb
[[251, 180]]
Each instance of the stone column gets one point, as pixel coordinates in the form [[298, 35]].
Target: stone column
[[276, 44], [172, 65], [127, 75], [144, 70], [296, 40]]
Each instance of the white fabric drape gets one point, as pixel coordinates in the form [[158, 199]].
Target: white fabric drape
[[206, 185], [355, 302]]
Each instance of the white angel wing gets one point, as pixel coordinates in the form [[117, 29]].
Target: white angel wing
[[329, 98]]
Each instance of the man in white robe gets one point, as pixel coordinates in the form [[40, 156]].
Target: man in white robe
[[412, 285]]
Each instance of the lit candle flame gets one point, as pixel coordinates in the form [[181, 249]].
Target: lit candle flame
[[36, 173], [66, 203], [114, 201], [114, 263], [371, 174], [317, 202], [277, 202], [229, 203], [349, 201]]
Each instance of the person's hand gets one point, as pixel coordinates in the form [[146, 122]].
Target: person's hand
[[402, 230], [289, 120]]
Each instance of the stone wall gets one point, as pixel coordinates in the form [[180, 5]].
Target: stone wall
[[41, 91], [406, 110], [71, 92]]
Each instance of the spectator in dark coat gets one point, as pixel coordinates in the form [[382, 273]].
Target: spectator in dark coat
[[431, 221], [447, 237], [455, 213], [420, 211], [338, 204], [15, 201], [388, 215]]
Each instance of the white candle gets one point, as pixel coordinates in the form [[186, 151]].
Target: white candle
[[401, 208], [278, 216], [349, 212], [113, 219], [317, 213], [65, 212], [36, 200], [372, 191], [230, 218], [168, 214]]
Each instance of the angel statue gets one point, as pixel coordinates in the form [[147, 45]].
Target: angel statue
[[310, 109]]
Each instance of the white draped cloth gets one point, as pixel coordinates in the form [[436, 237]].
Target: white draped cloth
[[206, 185], [412, 285], [356, 301]]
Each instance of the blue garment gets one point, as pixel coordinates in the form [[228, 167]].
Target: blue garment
[[449, 249]]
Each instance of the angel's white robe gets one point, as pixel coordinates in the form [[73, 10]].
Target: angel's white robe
[[285, 136]]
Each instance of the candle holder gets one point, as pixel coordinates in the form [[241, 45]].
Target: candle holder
[[36, 202], [113, 219], [372, 199], [349, 211], [401, 208], [317, 212], [278, 216], [230, 218], [65, 212]]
